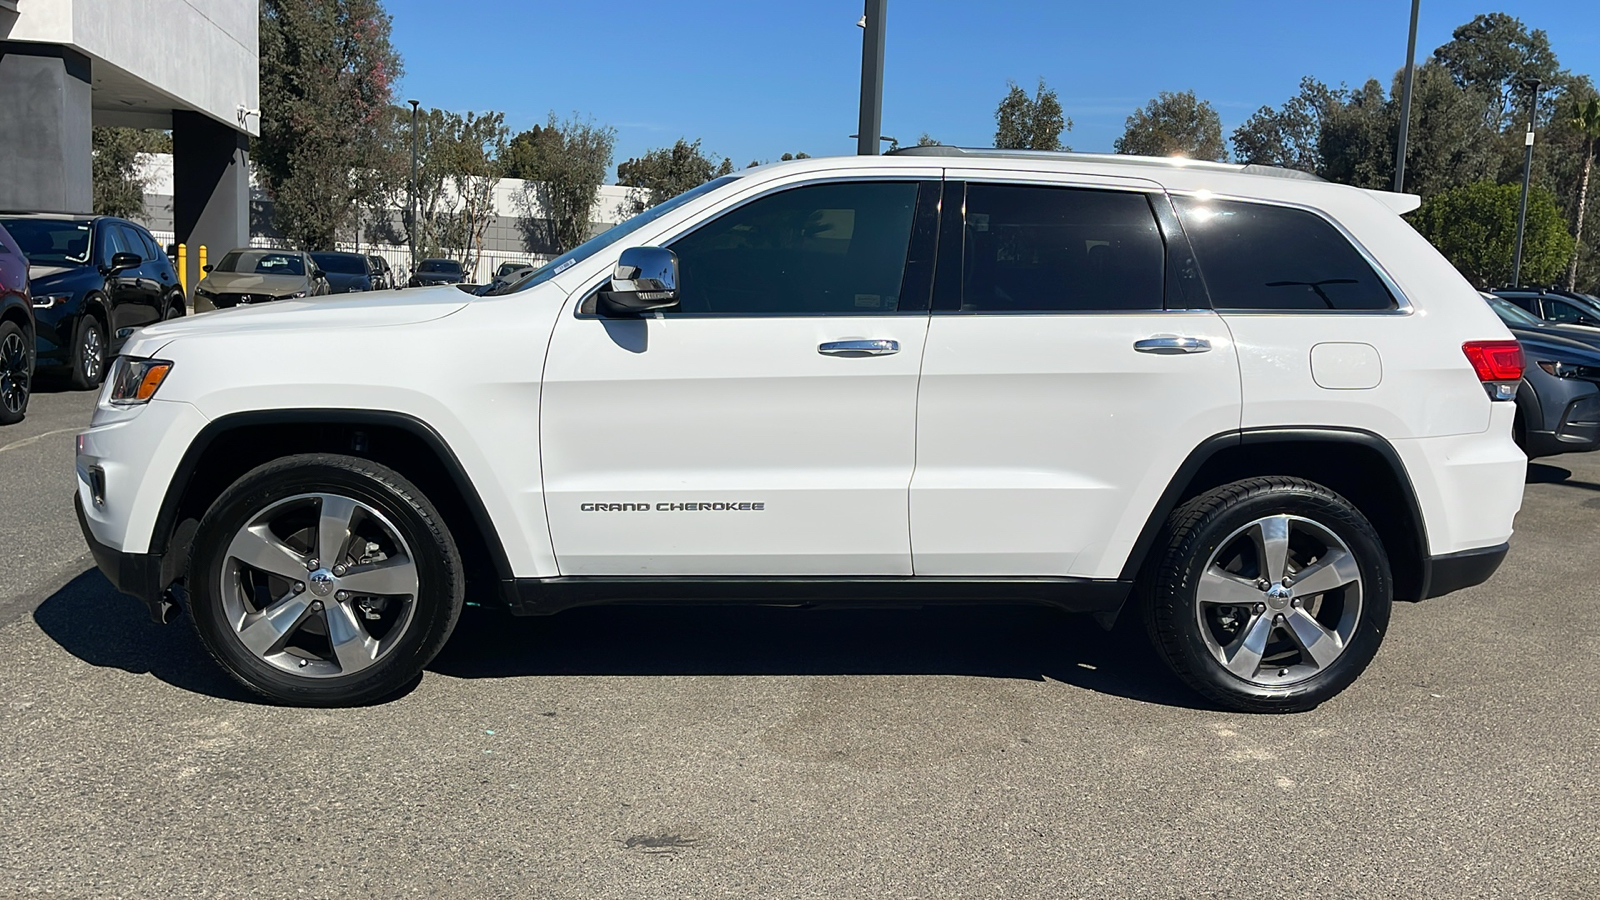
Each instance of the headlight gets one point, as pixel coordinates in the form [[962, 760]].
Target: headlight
[[50, 301], [294, 296], [1570, 370], [134, 381], [203, 292]]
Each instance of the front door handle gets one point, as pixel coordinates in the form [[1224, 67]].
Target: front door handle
[[1169, 344], [859, 348]]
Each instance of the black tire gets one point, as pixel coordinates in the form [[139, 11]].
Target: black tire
[[16, 372], [89, 354], [1198, 530], [175, 308], [434, 609]]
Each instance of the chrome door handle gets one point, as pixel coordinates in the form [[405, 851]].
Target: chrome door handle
[[859, 348], [1168, 345]]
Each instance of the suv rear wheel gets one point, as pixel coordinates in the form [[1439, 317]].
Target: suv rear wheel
[[324, 580], [1272, 595]]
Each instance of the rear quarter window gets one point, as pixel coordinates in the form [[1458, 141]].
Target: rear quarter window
[[1255, 256]]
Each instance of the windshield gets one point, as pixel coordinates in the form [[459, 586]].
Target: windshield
[[608, 237], [1512, 314], [440, 265], [343, 263], [48, 242], [261, 262]]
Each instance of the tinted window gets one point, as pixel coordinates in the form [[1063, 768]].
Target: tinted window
[[1562, 311], [437, 265], [1047, 249], [343, 263], [152, 250], [112, 242], [50, 241], [827, 248], [134, 243], [1255, 256]]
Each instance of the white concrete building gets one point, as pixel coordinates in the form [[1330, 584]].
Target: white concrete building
[[191, 66]]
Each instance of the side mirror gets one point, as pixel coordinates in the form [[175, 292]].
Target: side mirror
[[207, 268], [122, 261], [646, 279], [318, 273], [1589, 320]]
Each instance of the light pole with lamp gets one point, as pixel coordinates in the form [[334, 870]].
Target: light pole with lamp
[[411, 201], [1527, 174]]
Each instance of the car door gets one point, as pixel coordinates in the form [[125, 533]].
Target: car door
[[126, 296], [163, 278], [765, 426], [1067, 376]]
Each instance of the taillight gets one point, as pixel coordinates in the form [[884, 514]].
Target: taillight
[[1498, 364]]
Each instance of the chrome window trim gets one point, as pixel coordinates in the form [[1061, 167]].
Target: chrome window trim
[[1403, 305]]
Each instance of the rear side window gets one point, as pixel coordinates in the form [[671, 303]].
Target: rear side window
[[1255, 256], [1057, 249], [823, 249]]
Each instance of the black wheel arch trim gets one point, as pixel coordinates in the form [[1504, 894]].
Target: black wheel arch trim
[[1185, 476], [166, 519]]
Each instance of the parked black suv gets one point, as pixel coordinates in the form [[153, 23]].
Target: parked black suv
[[1555, 305], [94, 279], [437, 271], [345, 272]]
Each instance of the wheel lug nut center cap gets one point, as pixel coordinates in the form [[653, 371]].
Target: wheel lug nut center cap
[[1278, 596], [322, 582]]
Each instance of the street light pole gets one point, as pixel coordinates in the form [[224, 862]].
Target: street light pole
[[411, 203], [871, 124], [1527, 175], [1405, 101]]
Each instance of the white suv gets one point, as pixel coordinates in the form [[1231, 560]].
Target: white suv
[[1253, 406]]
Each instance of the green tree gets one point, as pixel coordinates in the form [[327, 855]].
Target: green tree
[[1355, 143], [119, 184], [1492, 55], [1291, 135], [1585, 119], [1475, 227], [327, 75], [666, 172], [1175, 124], [924, 140], [563, 164], [1030, 123]]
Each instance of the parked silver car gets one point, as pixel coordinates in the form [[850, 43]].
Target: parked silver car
[[248, 275]]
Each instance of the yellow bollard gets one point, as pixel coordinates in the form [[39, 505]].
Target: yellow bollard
[[202, 262], [183, 271]]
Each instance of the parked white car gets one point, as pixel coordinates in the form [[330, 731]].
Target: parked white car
[[1249, 406]]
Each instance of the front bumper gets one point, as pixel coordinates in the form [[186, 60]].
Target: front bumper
[[137, 574]]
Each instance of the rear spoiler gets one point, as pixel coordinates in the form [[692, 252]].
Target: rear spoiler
[[1400, 203]]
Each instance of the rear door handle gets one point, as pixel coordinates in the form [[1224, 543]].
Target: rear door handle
[[859, 348], [1168, 344]]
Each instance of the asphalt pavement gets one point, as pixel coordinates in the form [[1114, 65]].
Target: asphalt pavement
[[712, 752]]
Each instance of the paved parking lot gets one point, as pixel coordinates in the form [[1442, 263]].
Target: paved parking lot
[[632, 753]]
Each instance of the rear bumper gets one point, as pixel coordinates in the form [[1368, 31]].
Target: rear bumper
[[1454, 571], [137, 574]]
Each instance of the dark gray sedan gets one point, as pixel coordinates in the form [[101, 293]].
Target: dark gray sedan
[[1558, 402]]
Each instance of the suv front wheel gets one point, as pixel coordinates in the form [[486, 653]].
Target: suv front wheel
[[1272, 595], [324, 580]]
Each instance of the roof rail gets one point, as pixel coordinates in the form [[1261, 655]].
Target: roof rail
[[1166, 162]]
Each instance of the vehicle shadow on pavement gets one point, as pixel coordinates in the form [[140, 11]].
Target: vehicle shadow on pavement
[[92, 621], [1540, 473], [104, 628], [1020, 642]]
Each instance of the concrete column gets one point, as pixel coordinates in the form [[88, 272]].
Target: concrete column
[[210, 187], [45, 147]]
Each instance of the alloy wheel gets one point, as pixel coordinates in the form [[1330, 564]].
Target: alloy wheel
[[92, 354], [1279, 600], [14, 374], [319, 585]]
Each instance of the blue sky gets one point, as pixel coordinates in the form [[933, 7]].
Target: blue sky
[[754, 79]]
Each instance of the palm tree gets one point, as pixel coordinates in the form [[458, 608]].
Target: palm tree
[[1586, 119]]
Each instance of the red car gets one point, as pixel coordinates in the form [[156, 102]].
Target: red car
[[16, 331]]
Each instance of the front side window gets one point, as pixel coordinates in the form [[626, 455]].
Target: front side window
[[1057, 249], [112, 242], [1259, 257], [1569, 313], [134, 243], [820, 249]]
